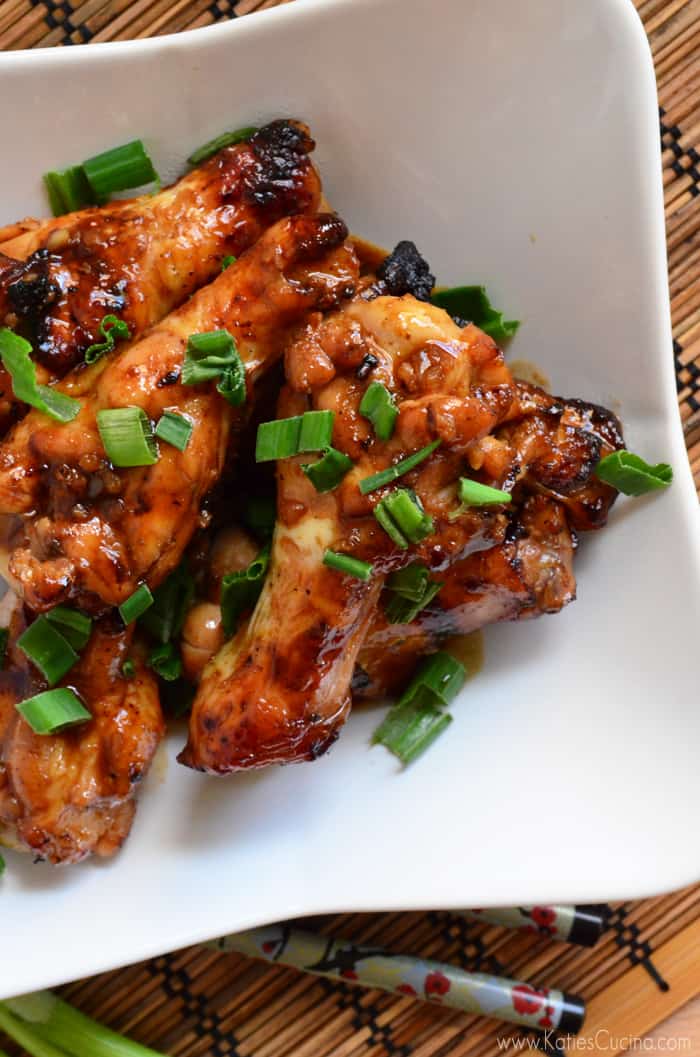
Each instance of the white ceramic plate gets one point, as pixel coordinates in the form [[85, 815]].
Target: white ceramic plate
[[518, 145]]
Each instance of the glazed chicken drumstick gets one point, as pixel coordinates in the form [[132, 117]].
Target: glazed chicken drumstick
[[95, 532], [71, 794], [123, 258], [279, 690]]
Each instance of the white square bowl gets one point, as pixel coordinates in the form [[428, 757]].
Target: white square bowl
[[518, 145]]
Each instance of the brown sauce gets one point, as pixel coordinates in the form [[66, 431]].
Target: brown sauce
[[469, 650]]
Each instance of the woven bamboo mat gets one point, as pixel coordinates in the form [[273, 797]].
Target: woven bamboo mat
[[197, 1003]]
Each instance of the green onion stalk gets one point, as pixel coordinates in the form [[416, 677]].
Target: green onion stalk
[[46, 1026]]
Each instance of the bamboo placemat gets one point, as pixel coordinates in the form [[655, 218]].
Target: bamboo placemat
[[198, 1003]]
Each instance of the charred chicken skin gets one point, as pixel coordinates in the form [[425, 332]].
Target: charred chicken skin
[[279, 690], [123, 258], [69, 795], [95, 532]]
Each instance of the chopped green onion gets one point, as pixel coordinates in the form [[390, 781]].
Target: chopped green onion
[[127, 436], [227, 261], [15, 354], [408, 730], [232, 385], [278, 439], [632, 475], [316, 430], [2, 866], [403, 611], [412, 590], [4, 640], [166, 662], [378, 406], [241, 590], [174, 429], [418, 717], [471, 304], [410, 582], [473, 493], [438, 680], [214, 356], [55, 1023], [378, 480], [403, 518], [47, 649], [119, 169], [226, 139], [136, 604], [165, 617], [68, 190], [52, 711], [75, 626], [260, 515], [345, 563], [128, 668], [112, 328], [284, 437], [328, 472]]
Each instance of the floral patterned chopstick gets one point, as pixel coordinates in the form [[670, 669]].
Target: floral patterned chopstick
[[401, 974], [582, 925]]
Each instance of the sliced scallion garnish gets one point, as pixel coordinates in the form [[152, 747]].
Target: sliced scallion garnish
[[632, 475], [53, 710], [227, 261], [127, 436], [378, 480], [214, 356], [226, 139], [285, 437], [68, 190], [171, 600], [418, 717], [119, 169], [473, 493], [128, 668], [316, 431], [174, 429], [345, 563], [136, 604], [403, 518], [47, 649], [328, 472], [15, 354], [471, 304], [112, 329], [411, 591], [241, 590], [278, 439], [75, 626], [378, 406], [165, 661]]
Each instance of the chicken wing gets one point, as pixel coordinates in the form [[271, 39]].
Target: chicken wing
[[546, 455], [68, 795], [95, 532], [143, 257], [530, 573], [279, 690]]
